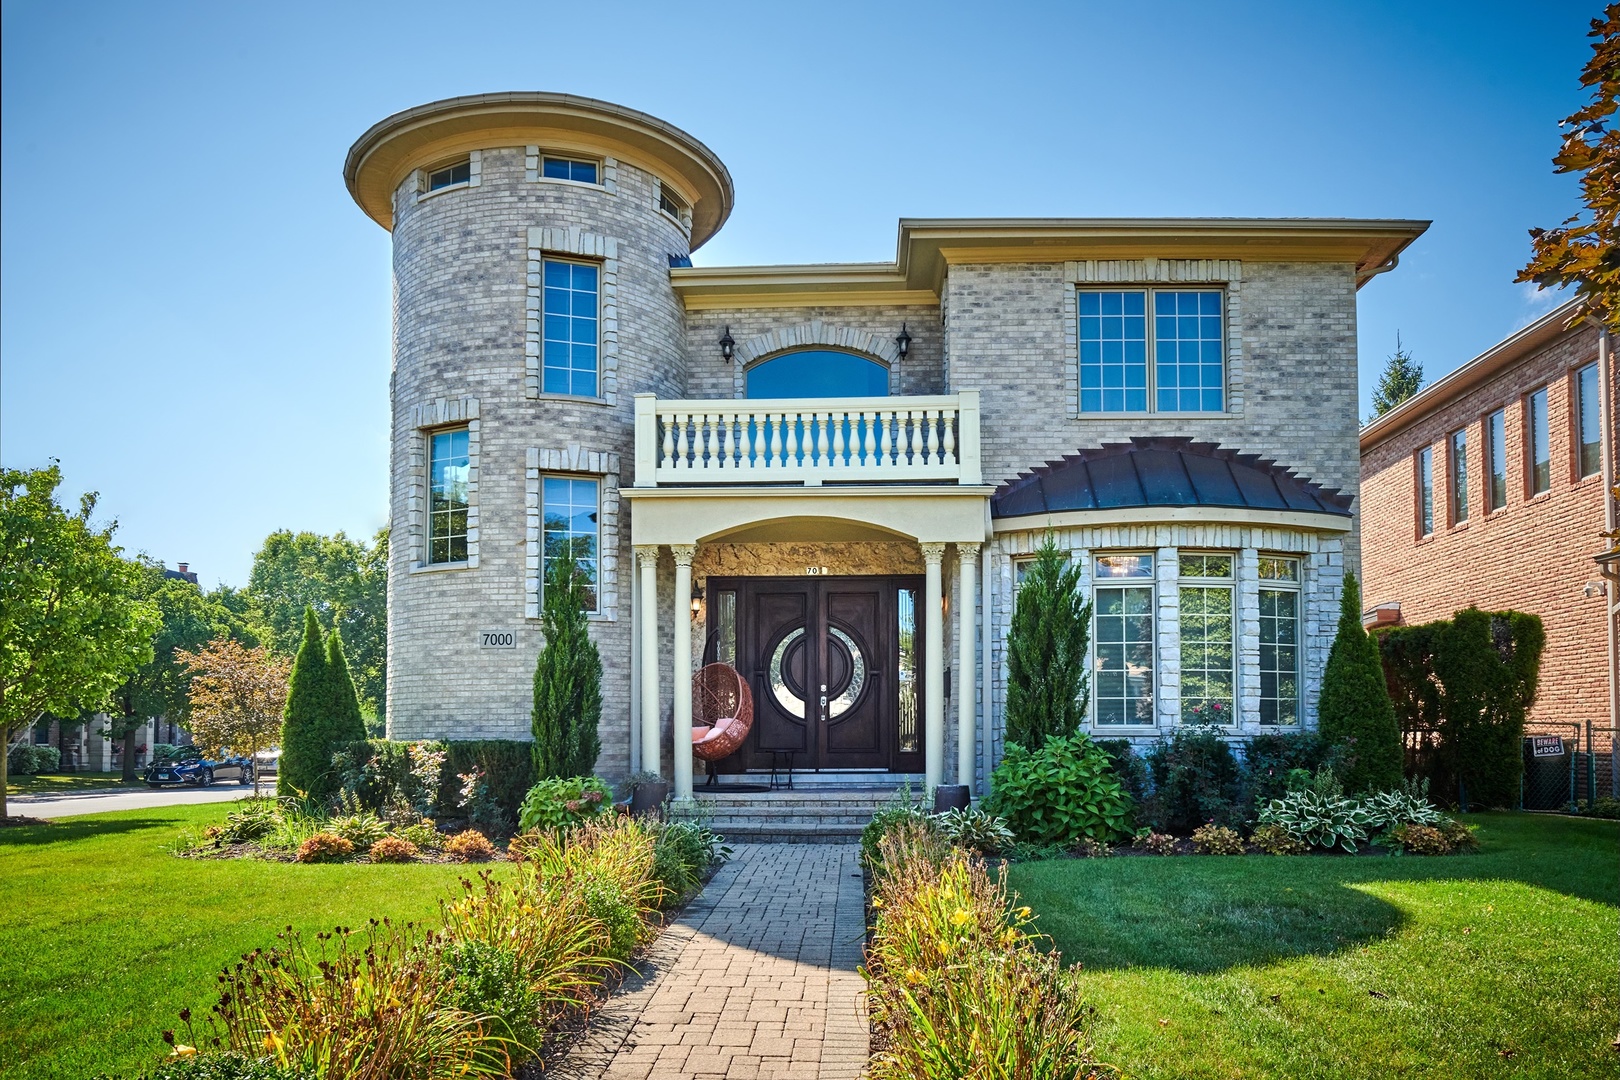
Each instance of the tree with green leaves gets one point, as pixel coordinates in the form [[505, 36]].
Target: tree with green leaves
[[305, 755], [567, 677], [1047, 684], [72, 627], [345, 582], [1354, 710], [344, 723], [1402, 379], [1488, 666], [1584, 251]]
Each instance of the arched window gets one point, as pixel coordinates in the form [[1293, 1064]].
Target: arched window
[[818, 373]]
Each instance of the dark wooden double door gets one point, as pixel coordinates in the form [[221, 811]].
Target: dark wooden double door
[[834, 664]]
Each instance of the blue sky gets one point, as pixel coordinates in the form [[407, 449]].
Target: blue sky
[[194, 317]]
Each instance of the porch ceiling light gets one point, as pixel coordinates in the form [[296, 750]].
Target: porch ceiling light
[[903, 342], [728, 346]]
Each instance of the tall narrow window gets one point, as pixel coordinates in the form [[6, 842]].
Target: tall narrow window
[[906, 677], [569, 342], [1535, 419], [1187, 351], [725, 627], [1425, 482], [1122, 682], [1279, 641], [1152, 350], [1589, 459], [1496, 460], [569, 520], [1208, 674], [1459, 476], [447, 496], [1113, 351]]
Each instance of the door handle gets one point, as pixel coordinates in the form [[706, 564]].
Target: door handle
[[824, 708]]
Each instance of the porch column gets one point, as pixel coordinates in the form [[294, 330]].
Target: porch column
[[933, 668], [651, 753], [967, 653], [682, 739]]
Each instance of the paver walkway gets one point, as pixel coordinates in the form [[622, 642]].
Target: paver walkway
[[756, 979]]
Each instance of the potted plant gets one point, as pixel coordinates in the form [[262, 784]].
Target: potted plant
[[648, 792]]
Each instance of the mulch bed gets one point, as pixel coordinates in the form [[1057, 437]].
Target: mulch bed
[[250, 850], [18, 820]]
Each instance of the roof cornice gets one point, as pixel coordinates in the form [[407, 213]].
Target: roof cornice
[[1472, 375]]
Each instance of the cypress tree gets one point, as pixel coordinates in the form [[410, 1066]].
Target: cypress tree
[[1355, 708], [1047, 690], [567, 679], [343, 720], [304, 757]]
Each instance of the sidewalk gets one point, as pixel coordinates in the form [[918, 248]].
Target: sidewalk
[[756, 979]]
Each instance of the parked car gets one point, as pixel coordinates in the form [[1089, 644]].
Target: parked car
[[187, 765]]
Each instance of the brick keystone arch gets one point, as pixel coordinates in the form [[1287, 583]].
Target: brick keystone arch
[[810, 335]]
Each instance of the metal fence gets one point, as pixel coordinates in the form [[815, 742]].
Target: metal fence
[[1566, 763]]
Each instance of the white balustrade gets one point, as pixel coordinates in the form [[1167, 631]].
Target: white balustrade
[[808, 440]]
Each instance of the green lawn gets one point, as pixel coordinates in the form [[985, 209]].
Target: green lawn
[[51, 783], [108, 935], [1501, 964]]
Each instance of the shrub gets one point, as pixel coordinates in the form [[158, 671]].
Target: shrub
[[1128, 766], [1461, 837], [306, 751], [1276, 840], [1605, 806], [1060, 793], [682, 852], [362, 829], [1354, 708], [567, 676], [1408, 806], [1155, 843], [1046, 651], [481, 807], [422, 834], [1195, 780], [394, 849], [489, 981], [364, 1005], [30, 759], [563, 802], [1320, 816], [252, 819], [958, 982], [216, 1066], [1217, 840], [1488, 666], [469, 845], [377, 773], [974, 829], [900, 810], [324, 847], [1270, 762], [507, 766], [1092, 849]]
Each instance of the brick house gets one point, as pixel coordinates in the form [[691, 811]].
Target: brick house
[[829, 476], [1488, 488]]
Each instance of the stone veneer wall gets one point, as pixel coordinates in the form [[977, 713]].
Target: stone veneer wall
[[462, 319], [1292, 389]]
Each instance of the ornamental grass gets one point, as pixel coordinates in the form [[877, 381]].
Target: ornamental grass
[[959, 984]]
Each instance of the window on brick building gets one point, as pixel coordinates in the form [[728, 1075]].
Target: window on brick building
[[457, 172], [1425, 483], [1208, 651], [581, 170], [1459, 476], [1123, 614], [570, 335], [448, 473], [670, 203], [1536, 442], [569, 516], [1496, 460], [1152, 350], [1279, 641], [1589, 456]]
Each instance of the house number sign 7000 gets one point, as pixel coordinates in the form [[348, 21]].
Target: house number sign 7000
[[497, 639]]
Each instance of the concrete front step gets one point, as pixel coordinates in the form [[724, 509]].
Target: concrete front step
[[790, 833]]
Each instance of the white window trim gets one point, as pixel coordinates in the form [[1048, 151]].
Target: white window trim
[[684, 219], [1231, 582], [576, 461], [475, 170], [1226, 274], [1091, 581], [426, 418], [572, 242], [1251, 667], [607, 168]]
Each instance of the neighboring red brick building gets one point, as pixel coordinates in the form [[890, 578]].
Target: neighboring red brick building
[[1488, 488]]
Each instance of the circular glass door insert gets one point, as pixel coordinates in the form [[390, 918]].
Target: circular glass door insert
[[846, 672], [787, 663]]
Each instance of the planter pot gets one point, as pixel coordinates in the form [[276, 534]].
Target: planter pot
[[951, 797], [648, 798]]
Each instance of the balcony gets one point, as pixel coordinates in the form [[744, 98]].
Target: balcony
[[808, 441]]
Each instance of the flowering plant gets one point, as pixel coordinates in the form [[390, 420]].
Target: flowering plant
[[1209, 714]]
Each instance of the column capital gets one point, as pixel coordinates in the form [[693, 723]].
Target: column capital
[[968, 552], [683, 553], [647, 554], [933, 554]]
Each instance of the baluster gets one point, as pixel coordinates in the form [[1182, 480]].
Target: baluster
[[680, 441], [711, 441], [932, 418], [822, 420], [752, 435], [840, 420], [726, 421], [774, 421], [667, 460], [913, 437], [947, 418], [883, 418], [861, 446], [795, 439]]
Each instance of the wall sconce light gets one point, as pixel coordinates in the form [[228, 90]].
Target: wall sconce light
[[728, 346], [903, 342], [697, 601]]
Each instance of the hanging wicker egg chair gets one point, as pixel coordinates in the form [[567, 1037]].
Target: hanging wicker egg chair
[[722, 713]]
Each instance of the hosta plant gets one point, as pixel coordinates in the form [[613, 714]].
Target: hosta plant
[[1215, 839], [253, 819], [1320, 820], [362, 829], [974, 829], [1408, 806]]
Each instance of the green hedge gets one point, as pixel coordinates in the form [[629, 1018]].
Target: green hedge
[[28, 759], [508, 767]]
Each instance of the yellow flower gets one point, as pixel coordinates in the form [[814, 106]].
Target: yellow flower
[[962, 917], [877, 901], [1022, 913], [913, 976], [181, 1050], [273, 1043], [1010, 935]]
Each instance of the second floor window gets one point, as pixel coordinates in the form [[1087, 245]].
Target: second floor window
[[1425, 481], [1496, 460], [459, 172], [563, 168], [569, 335], [1589, 459], [1535, 441], [817, 373], [1459, 476], [447, 496], [1152, 350]]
